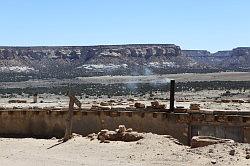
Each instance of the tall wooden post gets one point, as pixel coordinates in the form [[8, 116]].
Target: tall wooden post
[[68, 131], [172, 92]]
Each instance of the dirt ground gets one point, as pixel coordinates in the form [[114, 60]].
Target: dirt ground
[[151, 150], [205, 98]]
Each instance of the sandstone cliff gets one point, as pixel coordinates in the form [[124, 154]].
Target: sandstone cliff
[[134, 59]]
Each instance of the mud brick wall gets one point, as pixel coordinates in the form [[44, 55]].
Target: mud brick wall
[[51, 123], [47, 123], [236, 127]]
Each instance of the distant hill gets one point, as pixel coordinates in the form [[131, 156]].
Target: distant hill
[[237, 59], [22, 63]]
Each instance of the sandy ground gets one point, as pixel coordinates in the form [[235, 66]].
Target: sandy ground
[[152, 150]]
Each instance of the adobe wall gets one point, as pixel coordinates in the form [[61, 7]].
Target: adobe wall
[[51, 123], [45, 124]]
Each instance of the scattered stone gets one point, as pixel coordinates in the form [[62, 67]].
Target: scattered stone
[[232, 152], [225, 101], [138, 143], [248, 156], [132, 100], [91, 135], [194, 107], [104, 131], [210, 151], [157, 105], [200, 141], [131, 106], [101, 138], [97, 107], [17, 101], [129, 130], [213, 161], [106, 141], [104, 108], [131, 136], [104, 104], [122, 128], [76, 135], [139, 105], [238, 101], [180, 107], [18, 107]]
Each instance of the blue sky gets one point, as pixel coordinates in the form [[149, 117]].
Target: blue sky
[[192, 24]]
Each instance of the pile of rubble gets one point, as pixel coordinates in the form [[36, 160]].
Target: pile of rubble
[[120, 134]]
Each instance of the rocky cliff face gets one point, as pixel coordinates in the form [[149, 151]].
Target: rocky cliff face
[[87, 59], [87, 53], [134, 59], [240, 57], [236, 59]]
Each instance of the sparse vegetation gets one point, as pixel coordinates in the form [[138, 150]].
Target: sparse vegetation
[[126, 89]]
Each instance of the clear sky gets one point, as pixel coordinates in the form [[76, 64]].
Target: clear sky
[[192, 24]]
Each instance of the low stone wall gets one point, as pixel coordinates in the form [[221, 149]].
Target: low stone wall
[[182, 126]]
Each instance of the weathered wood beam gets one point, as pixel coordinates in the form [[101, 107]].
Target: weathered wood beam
[[69, 120]]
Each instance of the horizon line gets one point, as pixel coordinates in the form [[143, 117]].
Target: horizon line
[[127, 44]]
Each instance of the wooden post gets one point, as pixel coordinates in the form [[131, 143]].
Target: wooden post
[[172, 91], [68, 131], [35, 98]]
